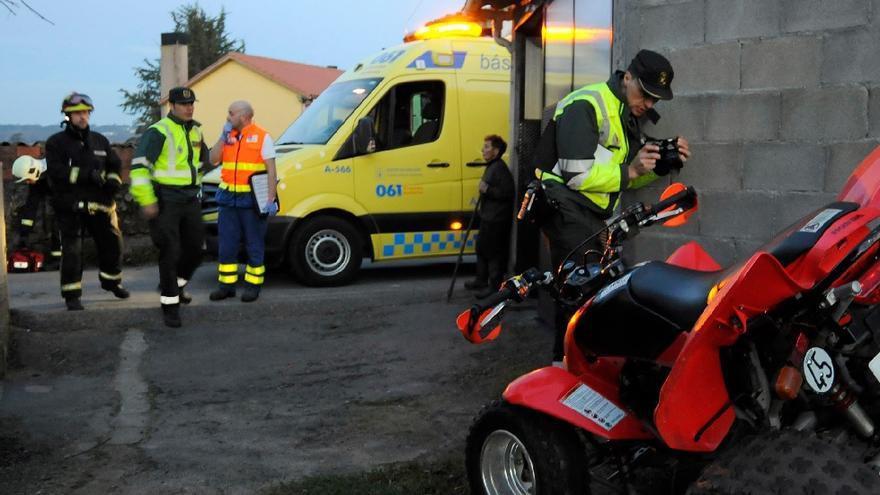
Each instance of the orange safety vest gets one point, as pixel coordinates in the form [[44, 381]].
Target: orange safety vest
[[242, 159]]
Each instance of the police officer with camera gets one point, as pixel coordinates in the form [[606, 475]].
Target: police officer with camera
[[594, 148], [84, 178]]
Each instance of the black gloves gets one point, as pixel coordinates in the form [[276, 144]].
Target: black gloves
[[111, 186], [96, 178]]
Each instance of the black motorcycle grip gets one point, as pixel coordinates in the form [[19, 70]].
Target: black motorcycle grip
[[661, 205], [496, 298]]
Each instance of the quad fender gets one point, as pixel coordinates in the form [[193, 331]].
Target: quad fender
[[694, 257], [545, 389], [695, 411], [863, 185]]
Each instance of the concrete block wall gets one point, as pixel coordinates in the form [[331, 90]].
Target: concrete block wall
[[780, 100]]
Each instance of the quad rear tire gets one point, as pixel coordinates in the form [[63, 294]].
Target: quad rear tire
[[515, 451], [787, 463]]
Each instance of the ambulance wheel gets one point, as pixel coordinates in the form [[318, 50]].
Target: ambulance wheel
[[326, 251], [513, 450]]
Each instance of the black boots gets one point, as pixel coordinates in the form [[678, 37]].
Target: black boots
[[171, 315], [221, 293], [119, 291], [250, 294], [73, 304]]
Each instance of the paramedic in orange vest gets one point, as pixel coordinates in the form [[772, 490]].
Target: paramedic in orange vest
[[244, 149]]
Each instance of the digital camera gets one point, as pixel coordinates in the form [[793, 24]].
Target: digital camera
[[669, 157]]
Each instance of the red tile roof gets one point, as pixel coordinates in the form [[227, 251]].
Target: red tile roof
[[307, 80]]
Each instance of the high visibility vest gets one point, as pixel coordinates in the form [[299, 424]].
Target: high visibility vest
[[179, 162], [242, 158], [599, 179]]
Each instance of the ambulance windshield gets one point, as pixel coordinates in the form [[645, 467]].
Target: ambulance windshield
[[322, 118]]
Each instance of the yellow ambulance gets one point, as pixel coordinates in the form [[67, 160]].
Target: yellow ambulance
[[385, 163]]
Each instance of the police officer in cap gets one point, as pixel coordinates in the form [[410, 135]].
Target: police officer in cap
[[166, 177], [600, 150], [84, 178]]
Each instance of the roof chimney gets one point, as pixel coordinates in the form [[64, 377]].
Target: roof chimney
[[174, 62]]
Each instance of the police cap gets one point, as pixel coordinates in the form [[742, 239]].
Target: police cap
[[654, 73], [181, 95]]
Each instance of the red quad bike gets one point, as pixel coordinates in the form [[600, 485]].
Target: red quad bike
[[679, 376]]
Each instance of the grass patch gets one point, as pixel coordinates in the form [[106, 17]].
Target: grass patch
[[439, 478]]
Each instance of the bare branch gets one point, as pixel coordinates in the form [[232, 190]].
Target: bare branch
[[12, 5], [8, 4], [35, 12]]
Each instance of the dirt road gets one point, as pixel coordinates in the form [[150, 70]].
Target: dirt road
[[304, 381]]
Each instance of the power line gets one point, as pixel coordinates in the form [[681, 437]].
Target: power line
[[413, 13]]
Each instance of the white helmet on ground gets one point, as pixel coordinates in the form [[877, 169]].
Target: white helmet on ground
[[28, 168]]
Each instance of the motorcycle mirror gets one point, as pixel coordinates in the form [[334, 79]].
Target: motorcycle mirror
[[678, 220], [483, 327]]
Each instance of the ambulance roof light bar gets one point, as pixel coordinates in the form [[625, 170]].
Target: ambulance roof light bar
[[451, 26]]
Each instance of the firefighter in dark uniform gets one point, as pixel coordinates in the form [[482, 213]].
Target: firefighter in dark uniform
[[32, 172], [166, 177], [84, 177], [600, 152], [496, 215]]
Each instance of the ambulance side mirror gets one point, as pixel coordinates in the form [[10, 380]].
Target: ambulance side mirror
[[363, 139]]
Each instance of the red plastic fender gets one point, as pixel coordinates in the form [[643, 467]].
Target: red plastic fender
[[863, 185], [695, 411], [694, 257], [545, 389]]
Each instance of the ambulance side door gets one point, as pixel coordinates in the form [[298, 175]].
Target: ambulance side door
[[484, 103], [416, 167]]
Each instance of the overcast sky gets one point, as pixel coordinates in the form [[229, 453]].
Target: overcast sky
[[94, 45]]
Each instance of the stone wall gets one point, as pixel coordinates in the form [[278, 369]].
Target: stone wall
[[780, 100]]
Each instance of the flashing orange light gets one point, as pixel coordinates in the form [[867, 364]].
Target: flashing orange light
[[456, 225], [446, 29], [555, 34]]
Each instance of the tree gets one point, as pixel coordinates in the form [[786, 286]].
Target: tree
[[13, 5], [208, 41], [144, 102]]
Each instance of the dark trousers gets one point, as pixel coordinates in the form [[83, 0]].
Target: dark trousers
[[55, 243], [178, 232], [570, 225], [493, 247], [235, 224], [104, 229]]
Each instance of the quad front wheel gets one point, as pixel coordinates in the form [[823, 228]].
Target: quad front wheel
[[514, 451]]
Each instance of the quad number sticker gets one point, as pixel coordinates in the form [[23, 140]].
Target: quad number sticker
[[818, 370], [594, 406]]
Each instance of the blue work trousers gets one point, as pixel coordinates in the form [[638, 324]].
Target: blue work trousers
[[238, 220]]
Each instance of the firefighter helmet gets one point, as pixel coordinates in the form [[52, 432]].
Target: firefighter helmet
[[28, 168], [76, 102]]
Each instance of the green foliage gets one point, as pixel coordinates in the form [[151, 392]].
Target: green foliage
[[208, 41], [144, 102]]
